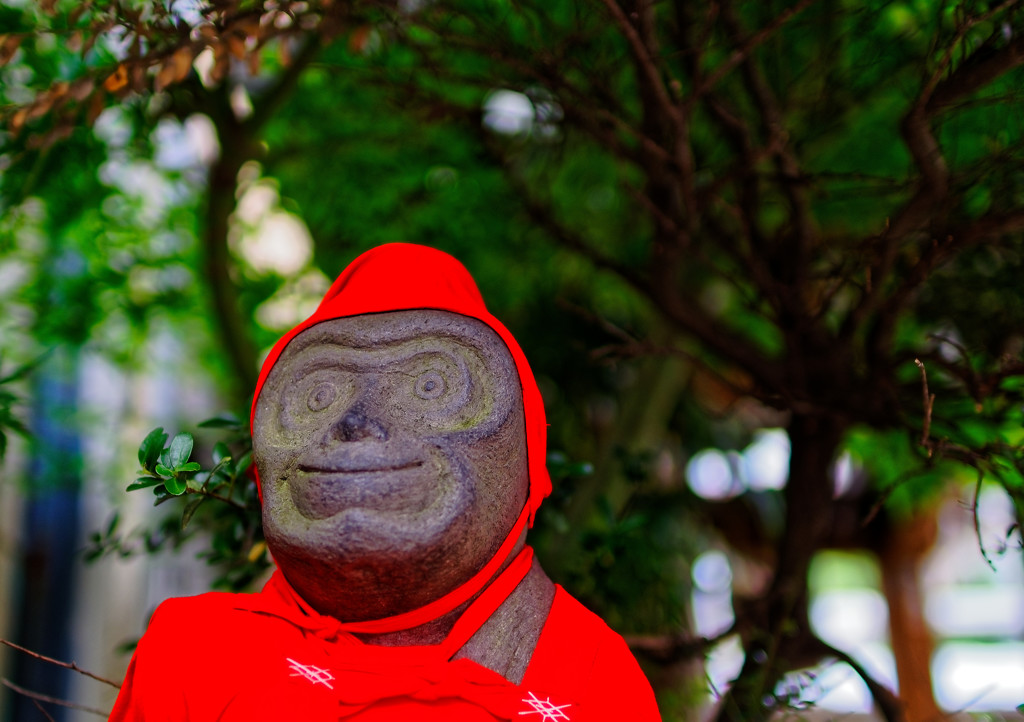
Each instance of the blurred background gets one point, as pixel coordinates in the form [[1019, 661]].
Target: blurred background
[[764, 259]]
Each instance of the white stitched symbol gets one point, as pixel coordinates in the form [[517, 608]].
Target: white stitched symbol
[[313, 674], [545, 709]]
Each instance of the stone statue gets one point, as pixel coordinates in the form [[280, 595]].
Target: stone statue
[[399, 438]]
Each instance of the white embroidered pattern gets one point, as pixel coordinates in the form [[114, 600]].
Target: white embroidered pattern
[[313, 674], [545, 709]]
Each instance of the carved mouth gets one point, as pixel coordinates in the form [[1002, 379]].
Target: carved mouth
[[356, 469], [322, 489]]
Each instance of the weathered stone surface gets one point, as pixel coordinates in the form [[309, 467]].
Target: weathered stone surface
[[392, 455]]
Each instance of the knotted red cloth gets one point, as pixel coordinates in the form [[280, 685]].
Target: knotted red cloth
[[269, 656]]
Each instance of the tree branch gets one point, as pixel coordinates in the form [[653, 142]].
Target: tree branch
[[52, 700], [975, 73], [961, 32], [670, 648], [790, 173], [643, 44], [66, 665], [748, 46], [887, 702]]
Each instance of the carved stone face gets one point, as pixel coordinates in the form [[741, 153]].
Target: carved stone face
[[392, 456]]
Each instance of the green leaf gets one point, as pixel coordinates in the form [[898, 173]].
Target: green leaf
[[190, 509], [164, 471], [180, 449], [151, 447], [144, 482], [220, 452], [20, 372], [175, 486], [244, 462], [190, 466], [224, 421]]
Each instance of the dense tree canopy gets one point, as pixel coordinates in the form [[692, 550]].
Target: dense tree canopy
[[702, 218]]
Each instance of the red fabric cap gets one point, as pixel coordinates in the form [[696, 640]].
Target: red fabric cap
[[404, 276]]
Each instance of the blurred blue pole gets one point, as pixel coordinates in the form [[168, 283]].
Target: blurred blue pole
[[49, 537]]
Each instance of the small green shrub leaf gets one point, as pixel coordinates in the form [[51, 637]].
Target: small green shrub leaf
[[152, 445], [224, 421], [164, 471], [220, 452], [179, 450], [190, 466], [244, 462], [190, 509], [175, 486], [144, 482]]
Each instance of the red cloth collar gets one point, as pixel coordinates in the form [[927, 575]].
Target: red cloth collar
[[366, 674]]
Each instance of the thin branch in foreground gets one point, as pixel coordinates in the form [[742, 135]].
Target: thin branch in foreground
[[66, 665], [42, 709], [52, 700]]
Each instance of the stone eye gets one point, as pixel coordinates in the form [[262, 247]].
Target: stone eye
[[430, 385], [322, 396]]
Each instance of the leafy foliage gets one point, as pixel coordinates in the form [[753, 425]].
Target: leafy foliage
[[704, 218], [9, 418], [232, 521]]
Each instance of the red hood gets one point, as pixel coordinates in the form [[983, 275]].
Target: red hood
[[402, 276]]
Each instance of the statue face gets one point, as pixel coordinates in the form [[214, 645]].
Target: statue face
[[392, 455]]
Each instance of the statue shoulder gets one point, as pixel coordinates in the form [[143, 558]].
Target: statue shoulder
[[579, 655]]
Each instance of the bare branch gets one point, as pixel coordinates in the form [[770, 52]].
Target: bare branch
[[669, 648], [644, 49], [66, 665], [785, 159], [975, 73], [52, 700], [645, 63], [990, 227], [929, 402], [42, 709], [887, 702], [743, 51], [977, 519], [947, 56]]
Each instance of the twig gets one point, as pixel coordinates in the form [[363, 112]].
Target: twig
[[977, 519], [669, 648], [644, 52], [749, 45], [888, 491], [887, 702], [974, 73], [66, 665], [947, 57], [646, 63], [52, 700], [40, 707], [929, 402]]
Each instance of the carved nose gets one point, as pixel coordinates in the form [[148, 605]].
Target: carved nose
[[357, 426]]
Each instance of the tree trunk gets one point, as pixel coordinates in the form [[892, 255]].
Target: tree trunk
[[905, 546], [777, 635]]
